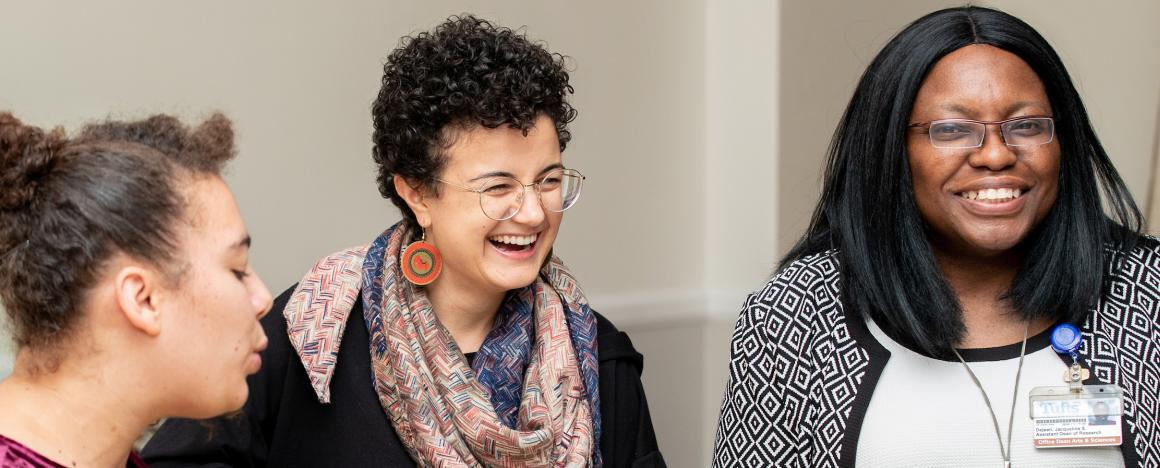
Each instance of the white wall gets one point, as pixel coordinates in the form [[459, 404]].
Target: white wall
[[703, 127], [298, 81]]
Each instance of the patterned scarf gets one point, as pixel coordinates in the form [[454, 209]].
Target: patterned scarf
[[531, 397]]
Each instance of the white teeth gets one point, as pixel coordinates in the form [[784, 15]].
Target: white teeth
[[992, 194], [515, 240]]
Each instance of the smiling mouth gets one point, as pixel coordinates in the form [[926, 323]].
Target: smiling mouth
[[993, 195], [514, 243]]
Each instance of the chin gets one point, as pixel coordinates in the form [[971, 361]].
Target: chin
[[994, 247], [223, 403], [238, 402], [515, 279], [992, 240]]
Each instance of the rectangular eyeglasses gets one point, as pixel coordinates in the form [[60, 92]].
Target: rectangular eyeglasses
[[966, 133]]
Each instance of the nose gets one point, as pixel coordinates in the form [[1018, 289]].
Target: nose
[[531, 210], [261, 299], [994, 154]]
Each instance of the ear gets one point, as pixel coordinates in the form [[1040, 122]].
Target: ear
[[416, 199], [136, 296]]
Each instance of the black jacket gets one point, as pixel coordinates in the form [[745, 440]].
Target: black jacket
[[284, 425]]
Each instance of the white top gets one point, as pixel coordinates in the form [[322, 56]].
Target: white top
[[928, 412]]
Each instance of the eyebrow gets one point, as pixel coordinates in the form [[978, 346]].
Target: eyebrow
[[1018, 106], [1014, 107], [491, 174], [955, 108]]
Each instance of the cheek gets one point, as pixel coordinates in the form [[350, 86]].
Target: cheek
[[459, 218], [930, 173], [554, 222], [928, 179], [228, 311], [921, 182], [1049, 179]]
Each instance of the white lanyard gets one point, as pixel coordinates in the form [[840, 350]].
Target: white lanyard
[[1004, 451]]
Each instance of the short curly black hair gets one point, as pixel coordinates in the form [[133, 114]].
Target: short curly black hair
[[464, 73]]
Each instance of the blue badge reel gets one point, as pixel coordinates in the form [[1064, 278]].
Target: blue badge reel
[[1075, 415]]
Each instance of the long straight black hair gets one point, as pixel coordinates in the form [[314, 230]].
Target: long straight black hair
[[868, 213]]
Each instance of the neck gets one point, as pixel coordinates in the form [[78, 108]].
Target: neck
[[72, 415], [467, 313], [979, 285]]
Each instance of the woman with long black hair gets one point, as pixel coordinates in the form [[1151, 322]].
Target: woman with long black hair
[[973, 251]]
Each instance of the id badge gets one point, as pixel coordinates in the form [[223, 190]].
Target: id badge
[[1077, 416]]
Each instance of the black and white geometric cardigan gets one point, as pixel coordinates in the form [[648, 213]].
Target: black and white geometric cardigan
[[802, 369]]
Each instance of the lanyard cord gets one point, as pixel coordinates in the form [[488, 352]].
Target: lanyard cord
[[1005, 452]]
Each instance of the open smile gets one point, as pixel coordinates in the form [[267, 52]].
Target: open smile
[[515, 247], [994, 201]]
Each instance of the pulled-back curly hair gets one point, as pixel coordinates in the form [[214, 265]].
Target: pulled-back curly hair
[[466, 72], [67, 206]]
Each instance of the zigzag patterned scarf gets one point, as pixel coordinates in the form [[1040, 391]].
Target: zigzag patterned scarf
[[531, 397]]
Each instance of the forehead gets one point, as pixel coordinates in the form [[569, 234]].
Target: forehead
[[481, 149], [983, 82], [211, 215]]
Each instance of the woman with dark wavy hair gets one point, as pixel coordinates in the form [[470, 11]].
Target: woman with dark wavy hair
[[125, 276], [961, 256], [464, 341]]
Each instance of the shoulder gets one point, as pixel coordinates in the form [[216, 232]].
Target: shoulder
[[603, 325], [1144, 257], [797, 308], [1131, 286], [799, 286], [1130, 272], [613, 344]]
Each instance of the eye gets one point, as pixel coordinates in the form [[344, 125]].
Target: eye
[[1026, 127], [498, 188], [950, 128], [241, 274], [948, 131], [550, 182]]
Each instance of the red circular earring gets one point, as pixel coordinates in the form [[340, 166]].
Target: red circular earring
[[421, 262]]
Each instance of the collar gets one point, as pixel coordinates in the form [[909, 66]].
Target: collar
[[317, 311]]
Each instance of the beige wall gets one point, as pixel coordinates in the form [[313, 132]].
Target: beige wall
[[702, 128], [298, 82], [825, 46]]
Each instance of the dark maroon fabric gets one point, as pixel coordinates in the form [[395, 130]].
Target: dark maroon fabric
[[135, 461], [15, 455]]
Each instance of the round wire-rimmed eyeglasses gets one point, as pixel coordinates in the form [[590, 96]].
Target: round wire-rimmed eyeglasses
[[501, 197], [1023, 131]]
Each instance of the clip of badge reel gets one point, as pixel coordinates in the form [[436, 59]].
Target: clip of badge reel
[[1075, 415]]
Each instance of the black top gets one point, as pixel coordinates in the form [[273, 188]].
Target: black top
[[284, 425]]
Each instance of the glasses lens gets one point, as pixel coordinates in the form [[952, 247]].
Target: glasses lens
[[501, 197], [560, 189], [1029, 132], [956, 134]]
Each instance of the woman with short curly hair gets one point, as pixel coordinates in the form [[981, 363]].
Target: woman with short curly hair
[[464, 341], [125, 276]]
